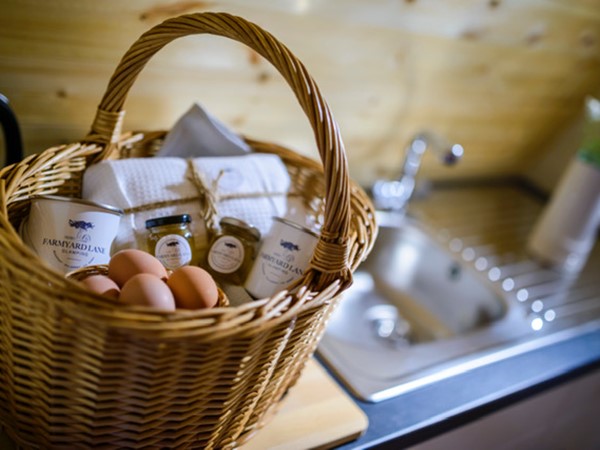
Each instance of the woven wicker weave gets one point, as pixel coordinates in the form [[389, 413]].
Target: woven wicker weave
[[79, 371]]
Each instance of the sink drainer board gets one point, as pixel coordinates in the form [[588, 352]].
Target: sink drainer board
[[451, 288]]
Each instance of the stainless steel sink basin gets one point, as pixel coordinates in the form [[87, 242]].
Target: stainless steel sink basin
[[433, 295], [445, 294]]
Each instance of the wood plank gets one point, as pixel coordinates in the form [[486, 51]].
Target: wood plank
[[500, 77]]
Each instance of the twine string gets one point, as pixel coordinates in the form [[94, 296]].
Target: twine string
[[207, 196]]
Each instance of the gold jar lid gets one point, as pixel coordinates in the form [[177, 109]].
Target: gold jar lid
[[240, 224]]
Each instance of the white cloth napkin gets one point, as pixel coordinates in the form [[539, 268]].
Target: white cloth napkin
[[198, 133]]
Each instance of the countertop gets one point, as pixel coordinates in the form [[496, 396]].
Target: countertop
[[447, 404], [419, 415]]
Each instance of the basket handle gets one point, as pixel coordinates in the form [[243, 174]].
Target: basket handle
[[330, 261]]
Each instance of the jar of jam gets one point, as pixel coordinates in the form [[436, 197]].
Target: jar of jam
[[171, 240], [232, 251]]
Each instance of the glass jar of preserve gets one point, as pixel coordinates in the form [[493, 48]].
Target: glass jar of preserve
[[232, 250], [170, 240]]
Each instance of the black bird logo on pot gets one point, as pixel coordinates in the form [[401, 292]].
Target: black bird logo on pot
[[81, 224], [289, 245]]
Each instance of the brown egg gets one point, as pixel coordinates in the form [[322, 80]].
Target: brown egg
[[126, 263], [102, 285], [193, 288], [145, 289]]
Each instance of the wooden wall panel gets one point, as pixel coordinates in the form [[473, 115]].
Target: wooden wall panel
[[502, 77]]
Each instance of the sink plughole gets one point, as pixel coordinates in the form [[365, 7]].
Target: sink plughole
[[419, 312]]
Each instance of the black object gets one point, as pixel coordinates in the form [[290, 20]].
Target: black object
[[12, 134]]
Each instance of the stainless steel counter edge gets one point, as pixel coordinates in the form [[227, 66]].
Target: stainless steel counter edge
[[424, 413]]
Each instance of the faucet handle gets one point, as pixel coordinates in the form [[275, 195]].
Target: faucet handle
[[447, 153]]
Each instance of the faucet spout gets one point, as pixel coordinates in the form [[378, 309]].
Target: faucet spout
[[395, 194]]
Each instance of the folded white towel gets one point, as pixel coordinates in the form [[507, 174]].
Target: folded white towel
[[252, 188]]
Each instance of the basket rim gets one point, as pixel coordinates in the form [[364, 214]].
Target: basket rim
[[86, 307], [349, 228]]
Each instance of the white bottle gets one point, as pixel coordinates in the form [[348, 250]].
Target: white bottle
[[567, 229]]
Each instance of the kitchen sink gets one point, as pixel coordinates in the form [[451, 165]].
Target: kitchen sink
[[448, 289], [412, 290]]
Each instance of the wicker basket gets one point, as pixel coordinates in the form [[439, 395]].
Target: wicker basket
[[77, 370]]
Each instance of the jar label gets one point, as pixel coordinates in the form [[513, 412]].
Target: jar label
[[173, 251], [226, 255]]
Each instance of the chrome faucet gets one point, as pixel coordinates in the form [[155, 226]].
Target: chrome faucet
[[394, 194]]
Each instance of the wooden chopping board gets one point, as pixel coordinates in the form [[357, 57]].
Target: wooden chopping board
[[316, 414]]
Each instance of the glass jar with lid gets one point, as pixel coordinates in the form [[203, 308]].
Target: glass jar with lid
[[232, 250], [170, 239]]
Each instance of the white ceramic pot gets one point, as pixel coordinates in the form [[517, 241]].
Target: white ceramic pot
[[283, 256], [70, 233]]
